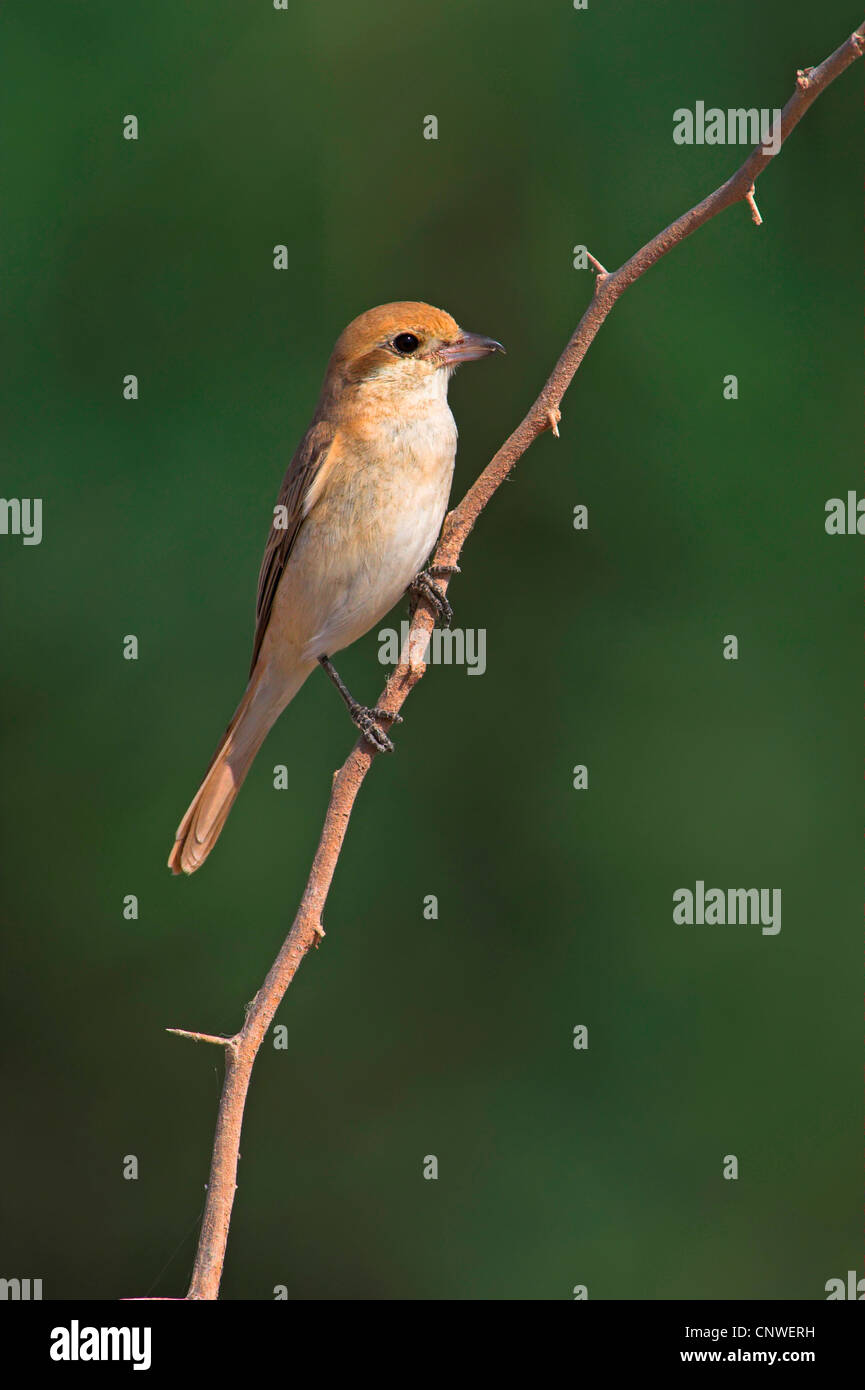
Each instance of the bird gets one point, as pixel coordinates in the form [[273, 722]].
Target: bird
[[359, 511]]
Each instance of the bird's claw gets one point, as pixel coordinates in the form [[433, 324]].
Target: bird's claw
[[367, 721], [424, 585]]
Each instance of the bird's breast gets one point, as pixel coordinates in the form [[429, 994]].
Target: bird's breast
[[372, 527], [395, 493]]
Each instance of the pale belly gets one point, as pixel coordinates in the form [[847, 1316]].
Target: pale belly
[[358, 551]]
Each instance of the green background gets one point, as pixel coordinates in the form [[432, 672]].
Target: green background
[[408, 1037]]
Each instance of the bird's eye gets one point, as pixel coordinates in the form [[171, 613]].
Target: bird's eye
[[406, 343]]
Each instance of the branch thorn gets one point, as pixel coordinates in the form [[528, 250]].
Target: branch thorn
[[752, 204], [201, 1037], [554, 415]]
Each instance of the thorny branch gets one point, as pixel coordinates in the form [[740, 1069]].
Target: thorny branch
[[306, 930]]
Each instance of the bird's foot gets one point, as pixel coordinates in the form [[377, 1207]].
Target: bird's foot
[[369, 723], [424, 585]]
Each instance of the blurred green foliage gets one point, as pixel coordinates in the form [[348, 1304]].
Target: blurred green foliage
[[408, 1037]]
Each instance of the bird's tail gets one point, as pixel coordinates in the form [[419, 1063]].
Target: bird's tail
[[200, 828]]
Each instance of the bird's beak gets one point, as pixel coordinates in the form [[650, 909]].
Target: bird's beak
[[467, 347]]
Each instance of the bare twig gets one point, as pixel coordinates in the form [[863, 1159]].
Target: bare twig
[[602, 271], [306, 931], [752, 204], [201, 1037]]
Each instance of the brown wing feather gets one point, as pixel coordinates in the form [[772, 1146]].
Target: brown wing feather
[[309, 457]]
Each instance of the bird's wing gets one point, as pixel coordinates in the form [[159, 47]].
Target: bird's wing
[[301, 473]]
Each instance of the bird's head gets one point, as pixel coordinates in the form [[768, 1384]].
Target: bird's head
[[405, 347]]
